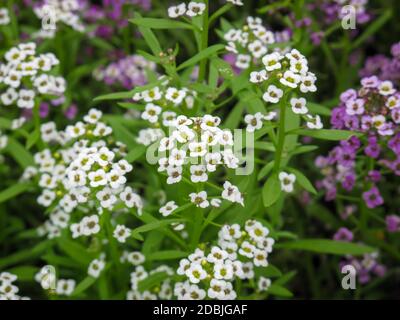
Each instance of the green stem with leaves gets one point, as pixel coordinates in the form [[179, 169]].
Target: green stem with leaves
[[281, 135], [204, 43]]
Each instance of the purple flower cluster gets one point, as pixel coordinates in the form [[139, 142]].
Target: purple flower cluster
[[127, 72], [365, 267], [384, 67], [374, 110]]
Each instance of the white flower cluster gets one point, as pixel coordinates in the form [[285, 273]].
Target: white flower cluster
[[96, 266], [255, 121], [4, 17], [193, 9], [52, 12], [149, 135], [288, 72], [48, 281], [84, 171], [166, 97], [250, 43], [26, 75], [159, 292], [198, 141], [8, 290], [211, 273]]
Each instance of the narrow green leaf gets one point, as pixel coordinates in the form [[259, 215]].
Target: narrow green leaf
[[152, 280], [154, 23], [302, 180], [327, 246], [271, 190], [325, 134], [204, 54], [13, 191], [167, 255]]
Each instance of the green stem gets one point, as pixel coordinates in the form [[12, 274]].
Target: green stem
[[204, 43], [281, 135]]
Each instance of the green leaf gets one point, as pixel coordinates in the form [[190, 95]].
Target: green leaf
[[373, 27], [152, 280], [24, 273], [154, 23], [136, 153], [204, 54], [13, 191], [24, 255], [19, 153], [75, 251], [302, 180], [318, 109], [269, 271], [271, 190], [149, 37], [279, 291], [84, 285], [167, 255], [327, 246], [265, 170], [325, 134], [115, 96], [152, 226]]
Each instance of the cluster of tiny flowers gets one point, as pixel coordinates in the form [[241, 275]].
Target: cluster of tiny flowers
[[283, 73], [164, 97], [4, 17], [373, 110], [192, 9], [25, 76], [84, 171], [8, 290], [53, 12], [212, 273], [197, 141], [365, 267], [162, 291], [383, 67], [127, 72], [250, 43], [48, 281]]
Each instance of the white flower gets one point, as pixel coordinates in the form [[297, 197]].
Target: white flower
[[258, 77], [193, 292], [260, 258], [168, 208], [216, 203], [77, 178], [308, 83], [197, 149], [26, 99], [104, 156], [76, 130], [218, 289], [290, 79], [223, 270], [299, 105], [116, 178], [90, 225], [314, 122], [174, 174], [264, 284], [9, 96], [177, 11], [106, 198], [174, 95], [386, 88], [236, 2], [212, 160], [378, 121], [195, 9], [287, 180], [199, 199], [354, 107], [131, 199], [65, 287], [257, 48], [177, 157], [4, 16], [230, 232], [272, 61], [46, 198], [151, 95], [232, 193], [217, 255], [196, 273], [247, 249], [151, 113], [166, 143], [254, 122], [243, 61], [136, 258], [97, 178], [273, 94], [95, 268], [121, 233], [93, 116]]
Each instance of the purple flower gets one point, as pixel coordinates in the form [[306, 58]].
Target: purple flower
[[372, 198], [370, 82], [44, 109], [374, 175], [316, 37], [343, 234], [349, 181], [373, 149], [71, 112], [392, 223]]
